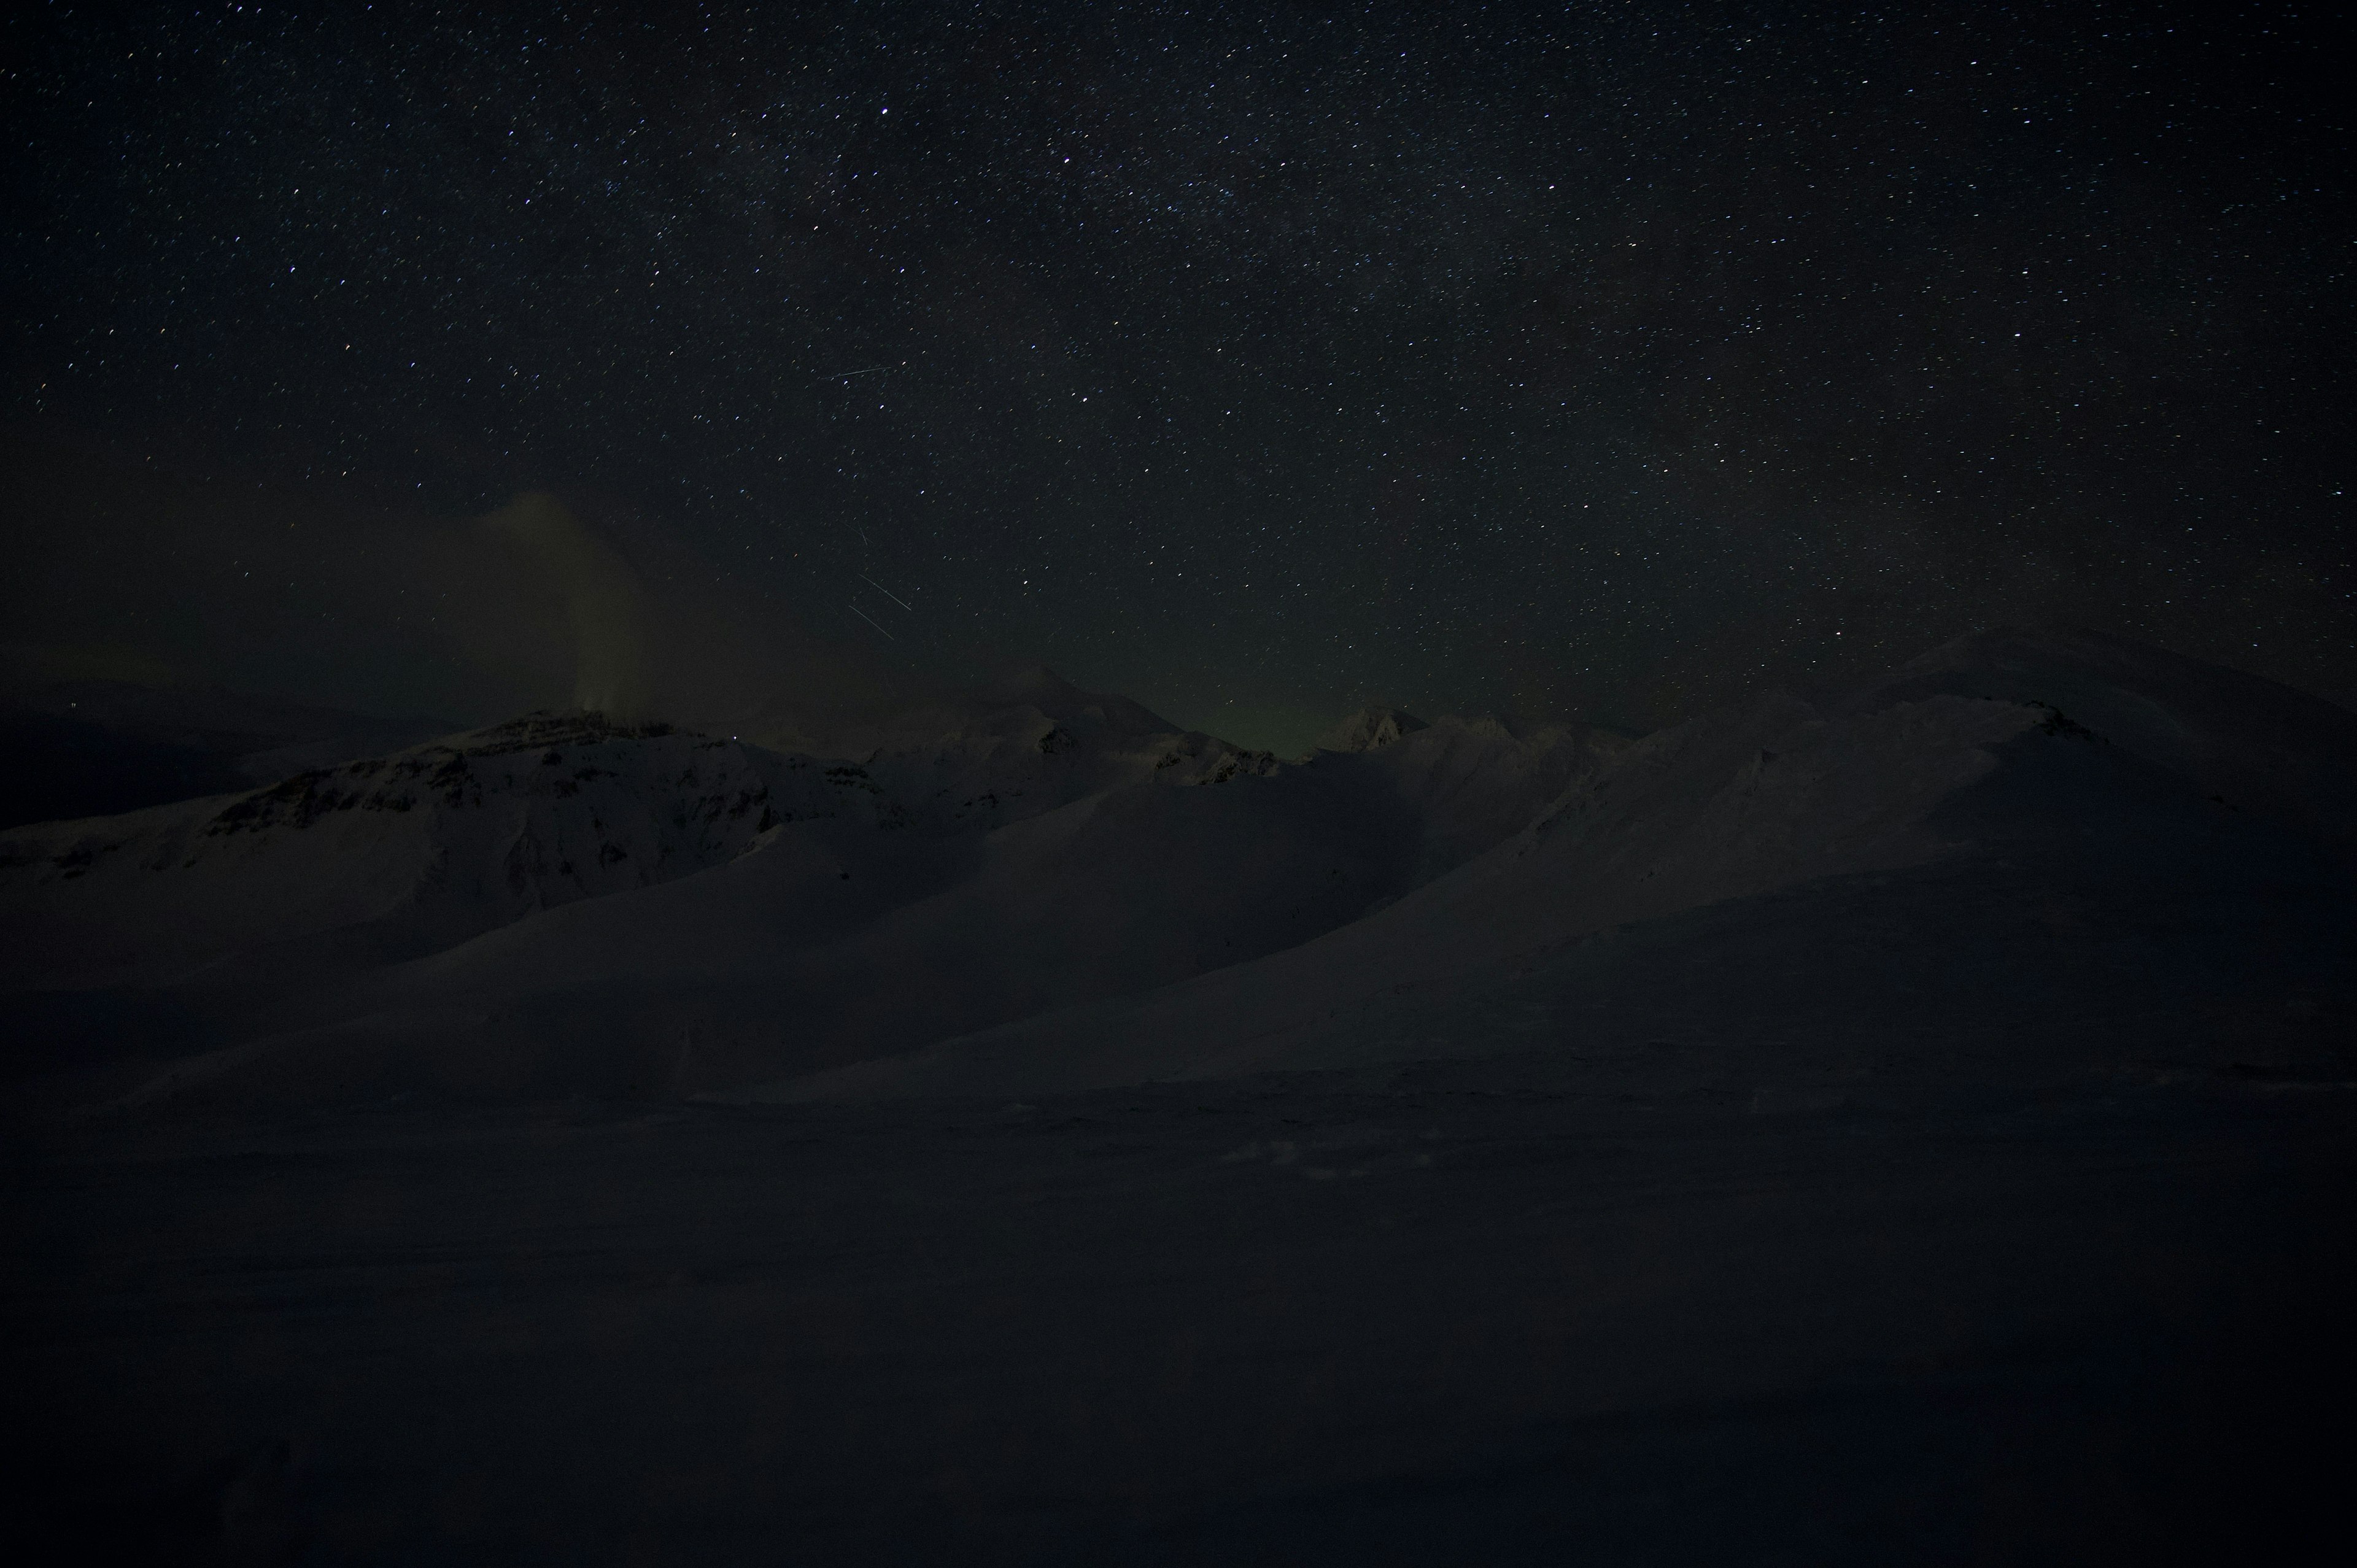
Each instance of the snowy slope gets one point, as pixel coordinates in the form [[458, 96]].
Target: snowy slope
[[1845, 1128], [2255, 747], [400, 854], [1898, 779], [829, 945], [1037, 743], [396, 855], [836, 941], [1465, 784], [1018, 899], [1369, 729]]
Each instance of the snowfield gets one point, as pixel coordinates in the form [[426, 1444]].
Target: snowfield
[[1907, 1123]]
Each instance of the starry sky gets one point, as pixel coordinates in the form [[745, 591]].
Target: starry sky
[[1259, 360]]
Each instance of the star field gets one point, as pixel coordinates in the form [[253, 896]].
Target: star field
[[1258, 362]]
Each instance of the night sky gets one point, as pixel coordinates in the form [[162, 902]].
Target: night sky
[[1257, 360]]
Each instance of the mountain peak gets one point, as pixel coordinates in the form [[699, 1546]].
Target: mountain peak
[[1370, 729]]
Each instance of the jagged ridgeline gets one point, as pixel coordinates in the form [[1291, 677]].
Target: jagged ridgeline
[[416, 849], [390, 857], [1051, 885], [453, 774]]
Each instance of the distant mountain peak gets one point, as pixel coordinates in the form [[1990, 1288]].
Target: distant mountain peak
[[1370, 729]]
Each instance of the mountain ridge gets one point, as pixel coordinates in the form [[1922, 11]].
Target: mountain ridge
[[1063, 894]]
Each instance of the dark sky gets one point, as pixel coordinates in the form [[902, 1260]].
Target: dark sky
[[1256, 360]]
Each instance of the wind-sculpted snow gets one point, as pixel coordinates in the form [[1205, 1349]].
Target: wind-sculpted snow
[[1119, 855], [1783, 1134], [1066, 891], [1056, 746], [1902, 779], [404, 852], [2247, 745], [1470, 784], [1369, 729]]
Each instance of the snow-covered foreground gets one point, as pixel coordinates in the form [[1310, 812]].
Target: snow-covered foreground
[[1913, 1124], [1463, 1314]]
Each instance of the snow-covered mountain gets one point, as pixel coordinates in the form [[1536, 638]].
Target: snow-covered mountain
[[845, 934], [2068, 786], [406, 853], [1035, 743], [1369, 729], [1063, 889], [393, 855]]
